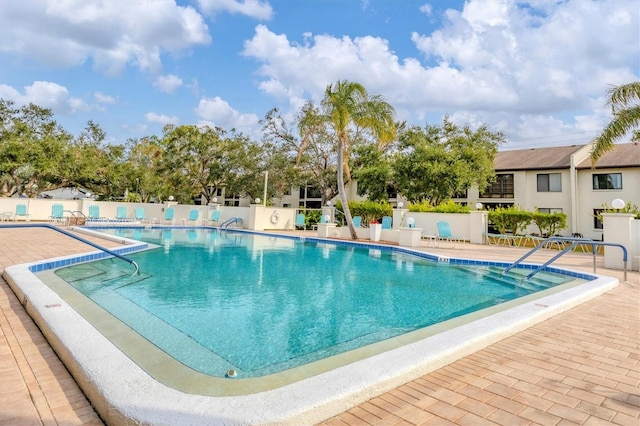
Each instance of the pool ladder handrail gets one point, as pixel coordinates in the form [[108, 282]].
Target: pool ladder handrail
[[69, 234], [574, 242], [226, 223]]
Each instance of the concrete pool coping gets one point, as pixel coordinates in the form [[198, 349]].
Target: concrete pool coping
[[131, 395]]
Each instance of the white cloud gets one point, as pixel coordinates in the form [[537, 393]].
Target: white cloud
[[104, 99], [427, 9], [217, 112], [253, 8], [509, 64], [161, 119], [112, 34], [47, 95], [168, 83]]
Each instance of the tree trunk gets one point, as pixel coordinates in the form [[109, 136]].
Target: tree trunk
[[343, 194]]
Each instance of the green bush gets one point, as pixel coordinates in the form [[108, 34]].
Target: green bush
[[368, 210], [628, 208], [511, 219], [448, 206], [550, 224]]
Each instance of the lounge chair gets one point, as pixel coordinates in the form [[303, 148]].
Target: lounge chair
[[57, 214], [94, 212], [193, 216], [121, 214], [169, 215], [300, 221], [386, 222], [141, 217], [21, 211], [214, 218], [357, 221], [444, 233]]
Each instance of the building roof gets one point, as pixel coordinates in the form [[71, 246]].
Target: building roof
[[535, 158], [622, 155]]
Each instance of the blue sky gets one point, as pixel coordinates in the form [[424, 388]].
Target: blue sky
[[536, 70]]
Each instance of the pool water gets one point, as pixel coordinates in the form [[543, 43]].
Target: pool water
[[260, 304]]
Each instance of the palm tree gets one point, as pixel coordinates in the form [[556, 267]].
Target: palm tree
[[347, 104], [625, 107]]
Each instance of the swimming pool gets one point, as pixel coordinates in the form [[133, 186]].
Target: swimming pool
[[255, 304], [129, 380]]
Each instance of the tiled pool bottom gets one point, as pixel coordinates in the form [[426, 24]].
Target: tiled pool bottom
[[122, 391]]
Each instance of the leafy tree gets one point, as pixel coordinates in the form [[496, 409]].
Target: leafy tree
[[625, 107], [436, 162], [143, 165], [33, 148], [199, 160], [348, 104], [297, 160], [95, 165], [374, 172]]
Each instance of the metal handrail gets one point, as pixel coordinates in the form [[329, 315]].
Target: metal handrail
[[226, 223], [69, 234], [574, 242]]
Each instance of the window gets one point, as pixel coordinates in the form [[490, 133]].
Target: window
[[549, 210], [607, 181], [549, 182], [501, 188], [597, 223]]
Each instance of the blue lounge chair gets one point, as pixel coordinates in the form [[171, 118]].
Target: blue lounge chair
[[215, 217], [300, 221], [444, 233], [94, 212], [357, 221], [57, 214], [121, 214], [21, 211], [386, 222], [169, 215], [141, 216], [193, 216]]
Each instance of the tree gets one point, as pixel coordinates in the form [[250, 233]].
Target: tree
[[307, 157], [33, 148], [435, 163], [197, 160], [625, 107], [348, 104]]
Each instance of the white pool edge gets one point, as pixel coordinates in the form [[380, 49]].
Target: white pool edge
[[122, 393]]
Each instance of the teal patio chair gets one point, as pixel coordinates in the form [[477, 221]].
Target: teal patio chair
[[300, 221], [21, 211], [121, 214], [141, 216], [357, 221], [193, 216], [57, 214], [444, 233], [386, 222], [169, 215], [94, 212], [214, 218]]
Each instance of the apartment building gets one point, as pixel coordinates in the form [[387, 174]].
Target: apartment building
[[562, 179]]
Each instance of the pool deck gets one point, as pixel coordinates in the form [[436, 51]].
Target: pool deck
[[579, 367]]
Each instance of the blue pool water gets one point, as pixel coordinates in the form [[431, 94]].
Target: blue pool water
[[259, 304]]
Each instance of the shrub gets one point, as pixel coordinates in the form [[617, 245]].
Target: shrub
[[550, 224], [368, 210], [511, 219], [448, 206]]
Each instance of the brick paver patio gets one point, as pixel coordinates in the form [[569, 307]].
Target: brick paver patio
[[580, 367]]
